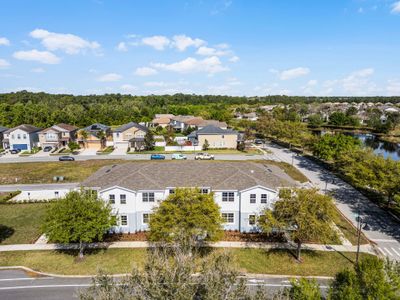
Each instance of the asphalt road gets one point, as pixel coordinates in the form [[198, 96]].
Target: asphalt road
[[33, 158], [18, 285]]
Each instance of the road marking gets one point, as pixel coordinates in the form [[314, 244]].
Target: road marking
[[394, 250], [387, 250], [381, 251], [42, 286], [383, 240], [25, 278]]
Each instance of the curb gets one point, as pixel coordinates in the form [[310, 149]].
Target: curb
[[246, 275]]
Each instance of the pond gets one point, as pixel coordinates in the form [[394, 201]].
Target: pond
[[386, 149]]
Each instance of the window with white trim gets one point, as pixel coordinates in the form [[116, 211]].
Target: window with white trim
[[111, 199], [264, 198], [146, 218], [204, 191], [228, 218], [252, 220], [253, 198], [122, 199], [148, 197], [171, 191], [228, 196], [124, 220]]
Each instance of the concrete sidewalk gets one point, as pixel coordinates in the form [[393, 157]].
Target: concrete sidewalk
[[119, 245]]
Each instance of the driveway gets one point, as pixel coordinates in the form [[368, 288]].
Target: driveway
[[88, 151], [120, 150], [384, 229]]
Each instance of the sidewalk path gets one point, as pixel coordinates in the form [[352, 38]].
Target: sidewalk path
[[384, 229], [119, 245]]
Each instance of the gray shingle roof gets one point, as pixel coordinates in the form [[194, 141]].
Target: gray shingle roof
[[211, 129], [2, 129], [148, 175], [97, 127], [130, 125], [25, 127]]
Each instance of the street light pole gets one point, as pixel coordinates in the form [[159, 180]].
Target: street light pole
[[358, 237]]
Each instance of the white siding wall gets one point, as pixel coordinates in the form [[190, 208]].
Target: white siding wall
[[19, 136]]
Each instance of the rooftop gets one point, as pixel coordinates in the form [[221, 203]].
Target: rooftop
[[25, 127], [148, 175], [130, 125]]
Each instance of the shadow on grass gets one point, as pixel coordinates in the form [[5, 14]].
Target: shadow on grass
[[5, 232], [75, 252]]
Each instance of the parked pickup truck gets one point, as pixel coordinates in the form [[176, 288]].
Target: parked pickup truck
[[204, 156]]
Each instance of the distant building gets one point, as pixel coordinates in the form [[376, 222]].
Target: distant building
[[215, 136], [23, 137]]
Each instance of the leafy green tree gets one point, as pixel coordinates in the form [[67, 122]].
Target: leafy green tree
[[206, 145], [338, 118], [73, 146], [332, 146], [187, 215], [304, 214], [371, 279], [315, 120], [351, 111], [149, 140], [83, 134], [304, 289], [80, 217]]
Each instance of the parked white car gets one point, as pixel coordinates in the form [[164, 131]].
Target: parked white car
[[179, 156], [204, 156]]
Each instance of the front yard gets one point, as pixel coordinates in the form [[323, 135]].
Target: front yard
[[20, 223], [117, 261]]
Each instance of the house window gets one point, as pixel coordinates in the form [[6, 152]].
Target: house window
[[111, 199], [252, 219], [148, 197], [228, 218], [56, 194], [146, 218], [18, 136], [204, 191], [171, 191], [252, 198], [228, 196], [124, 220], [13, 136], [24, 136], [223, 136], [122, 198], [263, 198], [117, 134]]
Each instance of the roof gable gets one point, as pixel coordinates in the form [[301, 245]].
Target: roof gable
[[130, 125]]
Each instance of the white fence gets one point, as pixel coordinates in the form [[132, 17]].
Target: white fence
[[182, 148]]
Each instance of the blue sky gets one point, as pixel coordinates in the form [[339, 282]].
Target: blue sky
[[233, 47]]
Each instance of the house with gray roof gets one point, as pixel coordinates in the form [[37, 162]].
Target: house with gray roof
[[241, 189], [23, 137], [2, 130], [130, 135], [216, 137], [94, 136]]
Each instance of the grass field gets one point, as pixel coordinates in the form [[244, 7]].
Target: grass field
[[290, 170], [116, 261], [20, 223], [348, 230], [43, 172]]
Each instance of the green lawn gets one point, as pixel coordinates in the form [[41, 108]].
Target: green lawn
[[290, 170], [43, 172], [117, 261], [348, 230], [20, 223]]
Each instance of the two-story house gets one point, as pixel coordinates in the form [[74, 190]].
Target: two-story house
[[215, 136], [23, 137], [94, 136], [130, 135], [241, 189], [162, 120], [57, 136], [2, 130]]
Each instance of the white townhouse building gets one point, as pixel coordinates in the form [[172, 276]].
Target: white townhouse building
[[241, 189]]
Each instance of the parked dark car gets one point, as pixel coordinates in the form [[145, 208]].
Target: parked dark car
[[258, 141], [47, 149], [15, 151], [157, 157], [66, 158]]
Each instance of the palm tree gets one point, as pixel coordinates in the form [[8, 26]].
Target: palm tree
[[84, 135], [101, 136]]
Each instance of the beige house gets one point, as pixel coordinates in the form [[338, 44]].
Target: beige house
[[94, 136], [162, 120], [216, 137], [130, 135], [57, 136]]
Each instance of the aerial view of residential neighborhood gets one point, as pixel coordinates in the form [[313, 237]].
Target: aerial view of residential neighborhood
[[199, 150]]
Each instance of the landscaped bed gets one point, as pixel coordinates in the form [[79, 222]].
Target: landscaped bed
[[118, 261]]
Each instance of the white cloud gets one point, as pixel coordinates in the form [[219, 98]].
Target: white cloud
[[4, 64], [156, 84], [181, 42], [122, 47], [44, 57], [312, 82], [4, 41], [393, 87], [110, 77], [234, 59], [396, 8], [69, 43], [38, 70], [208, 51], [145, 71], [128, 88], [294, 73], [357, 81], [158, 42], [209, 65]]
